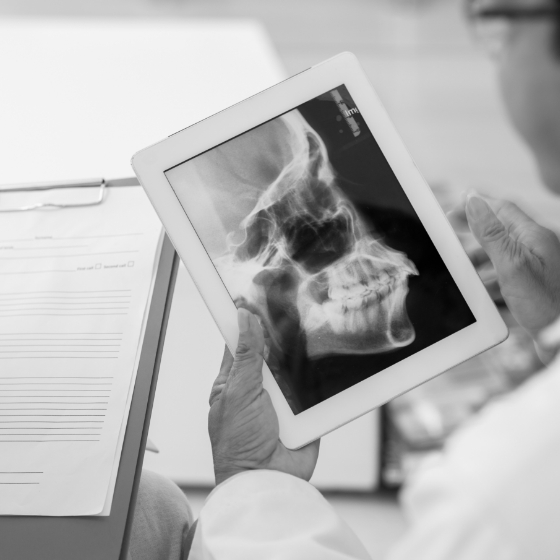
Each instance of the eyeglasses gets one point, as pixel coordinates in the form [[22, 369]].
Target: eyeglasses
[[492, 25]]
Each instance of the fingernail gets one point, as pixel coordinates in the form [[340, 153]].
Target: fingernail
[[478, 208], [243, 320]]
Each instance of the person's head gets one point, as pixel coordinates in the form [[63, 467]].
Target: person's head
[[524, 36]]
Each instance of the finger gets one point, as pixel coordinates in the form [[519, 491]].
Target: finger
[[243, 304], [478, 257], [458, 218], [248, 360], [550, 336], [219, 383], [487, 271], [307, 457], [491, 283], [494, 291], [508, 212], [490, 232], [518, 223], [521, 227], [313, 447]]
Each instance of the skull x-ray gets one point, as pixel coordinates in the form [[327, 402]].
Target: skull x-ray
[[310, 230]]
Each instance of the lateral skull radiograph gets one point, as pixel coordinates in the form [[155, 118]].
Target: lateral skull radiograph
[[304, 246], [309, 229]]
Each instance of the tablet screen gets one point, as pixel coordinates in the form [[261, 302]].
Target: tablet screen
[[309, 229]]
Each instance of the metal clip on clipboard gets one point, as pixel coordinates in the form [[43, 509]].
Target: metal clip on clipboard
[[99, 183]]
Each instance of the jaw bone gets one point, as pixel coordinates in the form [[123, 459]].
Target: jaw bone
[[357, 306]]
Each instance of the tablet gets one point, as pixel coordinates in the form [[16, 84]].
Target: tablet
[[302, 205]]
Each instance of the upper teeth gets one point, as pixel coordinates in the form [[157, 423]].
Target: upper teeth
[[353, 294], [349, 292]]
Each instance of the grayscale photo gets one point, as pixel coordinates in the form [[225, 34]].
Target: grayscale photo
[[374, 193]]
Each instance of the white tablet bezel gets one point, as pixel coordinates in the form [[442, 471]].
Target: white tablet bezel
[[489, 328]]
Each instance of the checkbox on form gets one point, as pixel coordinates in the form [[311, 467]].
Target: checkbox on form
[[130, 263]]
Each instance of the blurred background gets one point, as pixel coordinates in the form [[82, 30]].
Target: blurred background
[[439, 89]]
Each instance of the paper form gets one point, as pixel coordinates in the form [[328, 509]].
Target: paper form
[[74, 289]]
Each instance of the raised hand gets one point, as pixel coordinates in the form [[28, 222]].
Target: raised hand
[[242, 422], [526, 258]]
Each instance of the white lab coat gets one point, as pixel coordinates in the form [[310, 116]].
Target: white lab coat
[[492, 494]]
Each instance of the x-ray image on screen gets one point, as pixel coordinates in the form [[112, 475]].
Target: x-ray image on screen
[[310, 230]]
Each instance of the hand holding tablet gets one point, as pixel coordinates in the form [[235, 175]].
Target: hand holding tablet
[[302, 205], [242, 423]]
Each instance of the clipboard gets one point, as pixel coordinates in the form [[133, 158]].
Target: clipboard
[[95, 537]]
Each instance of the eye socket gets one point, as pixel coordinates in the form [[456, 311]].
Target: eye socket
[[316, 245]]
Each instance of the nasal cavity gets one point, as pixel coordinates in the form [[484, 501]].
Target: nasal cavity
[[317, 244]]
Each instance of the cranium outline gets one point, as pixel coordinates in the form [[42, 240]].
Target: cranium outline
[[305, 246]]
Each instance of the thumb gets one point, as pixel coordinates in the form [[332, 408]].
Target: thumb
[[489, 231], [248, 360]]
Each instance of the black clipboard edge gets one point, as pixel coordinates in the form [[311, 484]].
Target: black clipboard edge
[[166, 274]]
